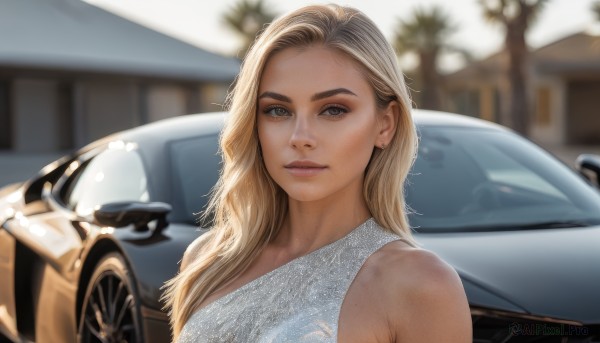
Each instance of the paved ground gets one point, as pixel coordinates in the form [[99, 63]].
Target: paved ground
[[17, 167]]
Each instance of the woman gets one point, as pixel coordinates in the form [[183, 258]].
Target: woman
[[310, 240]]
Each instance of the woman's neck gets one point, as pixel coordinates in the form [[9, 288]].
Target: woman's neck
[[311, 225]]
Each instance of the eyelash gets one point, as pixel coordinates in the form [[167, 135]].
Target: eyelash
[[268, 109], [343, 110]]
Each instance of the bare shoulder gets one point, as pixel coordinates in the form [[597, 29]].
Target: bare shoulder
[[425, 268], [193, 250], [424, 296]]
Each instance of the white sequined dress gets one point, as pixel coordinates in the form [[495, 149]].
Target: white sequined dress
[[297, 302]]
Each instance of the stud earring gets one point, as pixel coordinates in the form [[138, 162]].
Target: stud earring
[[382, 146]]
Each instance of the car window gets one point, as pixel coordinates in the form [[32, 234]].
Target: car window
[[111, 176], [195, 166], [471, 179], [34, 191]]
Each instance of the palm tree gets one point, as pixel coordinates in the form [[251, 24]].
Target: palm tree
[[247, 18], [596, 9], [516, 17], [426, 35]]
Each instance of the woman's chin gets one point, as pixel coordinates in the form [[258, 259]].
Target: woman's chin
[[306, 195]]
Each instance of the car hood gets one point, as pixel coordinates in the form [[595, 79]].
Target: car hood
[[552, 273]]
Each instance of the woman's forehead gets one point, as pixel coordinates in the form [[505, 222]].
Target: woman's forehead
[[317, 68]]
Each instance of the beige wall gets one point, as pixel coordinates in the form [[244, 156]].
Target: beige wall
[[107, 107], [164, 101], [212, 97], [35, 107], [52, 115]]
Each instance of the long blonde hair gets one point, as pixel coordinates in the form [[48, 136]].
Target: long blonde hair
[[247, 206]]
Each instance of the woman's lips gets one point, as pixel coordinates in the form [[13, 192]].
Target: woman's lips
[[304, 168]]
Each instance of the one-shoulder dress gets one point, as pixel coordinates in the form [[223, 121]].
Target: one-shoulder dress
[[297, 302]]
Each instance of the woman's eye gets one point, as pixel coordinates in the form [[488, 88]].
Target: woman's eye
[[335, 111], [276, 111]]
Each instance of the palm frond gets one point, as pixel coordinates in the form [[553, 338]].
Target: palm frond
[[426, 30], [247, 18], [505, 11]]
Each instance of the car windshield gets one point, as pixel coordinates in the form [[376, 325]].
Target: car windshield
[[195, 169], [468, 179], [464, 179]]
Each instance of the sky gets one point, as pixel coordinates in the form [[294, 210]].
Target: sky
[[200, 23]]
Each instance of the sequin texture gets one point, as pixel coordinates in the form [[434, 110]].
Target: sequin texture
[[297, 302]]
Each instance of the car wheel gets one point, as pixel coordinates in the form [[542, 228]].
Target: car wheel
[[109, 312]]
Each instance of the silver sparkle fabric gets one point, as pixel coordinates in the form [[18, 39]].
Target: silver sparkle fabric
[[297, 302]]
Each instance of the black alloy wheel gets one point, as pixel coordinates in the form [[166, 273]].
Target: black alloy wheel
[[109, 311]]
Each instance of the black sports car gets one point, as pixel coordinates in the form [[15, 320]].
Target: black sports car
[[86, 244]]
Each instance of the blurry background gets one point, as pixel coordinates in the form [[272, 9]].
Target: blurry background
[[73, 71]]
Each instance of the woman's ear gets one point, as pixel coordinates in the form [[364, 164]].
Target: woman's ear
[[388, 119]]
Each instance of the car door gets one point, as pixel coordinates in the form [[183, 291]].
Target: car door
[[56, 236], [18, 260]]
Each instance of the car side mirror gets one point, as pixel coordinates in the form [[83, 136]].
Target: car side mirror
[[139, 214], [589, 166]]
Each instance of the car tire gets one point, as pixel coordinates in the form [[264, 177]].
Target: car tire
[[109, 311]]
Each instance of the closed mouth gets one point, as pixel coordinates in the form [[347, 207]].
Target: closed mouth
[[304, 165]]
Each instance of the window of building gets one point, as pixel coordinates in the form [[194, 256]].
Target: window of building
[[542, 106], [65, 116], [5, 122]]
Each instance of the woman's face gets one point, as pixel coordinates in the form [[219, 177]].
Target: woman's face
[[317, 123]]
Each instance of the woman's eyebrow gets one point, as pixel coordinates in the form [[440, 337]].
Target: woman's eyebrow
[[318, 96], [275, 96], [332, 92]]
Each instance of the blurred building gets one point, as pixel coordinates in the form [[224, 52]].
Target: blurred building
[[564, 90], [71, 72]]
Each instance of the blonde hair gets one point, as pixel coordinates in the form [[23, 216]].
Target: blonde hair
[[247, 206]]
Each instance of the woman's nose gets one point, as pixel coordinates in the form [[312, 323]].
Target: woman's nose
[[303, 135]]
